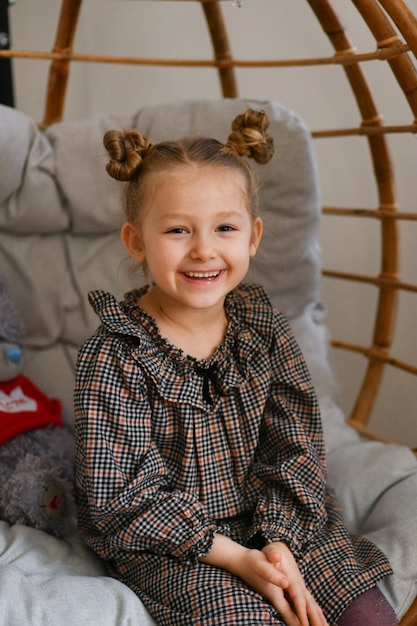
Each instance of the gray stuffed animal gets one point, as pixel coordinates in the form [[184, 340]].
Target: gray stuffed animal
[[36, 449]]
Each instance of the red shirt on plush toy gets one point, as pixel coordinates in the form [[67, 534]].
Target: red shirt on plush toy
[[23, 406], [36, 448]]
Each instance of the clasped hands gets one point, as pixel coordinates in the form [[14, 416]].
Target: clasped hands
[[273, 573]]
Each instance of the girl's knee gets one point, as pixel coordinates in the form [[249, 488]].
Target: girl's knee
[[369, 609]]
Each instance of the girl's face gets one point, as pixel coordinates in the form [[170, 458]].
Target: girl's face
[[196, 235]]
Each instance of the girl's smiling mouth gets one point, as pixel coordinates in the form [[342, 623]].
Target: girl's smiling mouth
[[203, 275]]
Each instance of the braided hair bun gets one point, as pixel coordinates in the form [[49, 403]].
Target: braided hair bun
[[248, 137], [126, 150]]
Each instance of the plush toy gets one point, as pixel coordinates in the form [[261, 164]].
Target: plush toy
[[36, 449]]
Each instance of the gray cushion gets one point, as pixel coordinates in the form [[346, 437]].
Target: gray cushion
[[60, 214]]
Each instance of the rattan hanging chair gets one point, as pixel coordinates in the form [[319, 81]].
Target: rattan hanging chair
[[393, 28]]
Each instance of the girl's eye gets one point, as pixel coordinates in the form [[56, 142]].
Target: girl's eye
[[226, 228], [176, 231]]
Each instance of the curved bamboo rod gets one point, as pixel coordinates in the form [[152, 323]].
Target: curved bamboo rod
[[389, 48], [380, 356], [410, 618], [387, 298], [222, 53], [59, 69], [379, 214], [365, 131], [62, 56], [404, 19], [220, 62], [387, 39], [379, 281]]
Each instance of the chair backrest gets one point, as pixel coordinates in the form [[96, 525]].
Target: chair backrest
[[374, 221], [61, 213]]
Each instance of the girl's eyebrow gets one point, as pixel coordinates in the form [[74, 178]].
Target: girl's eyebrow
[[229, 214], [220, 215]]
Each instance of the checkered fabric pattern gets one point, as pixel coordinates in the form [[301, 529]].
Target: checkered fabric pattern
[[171, 450]]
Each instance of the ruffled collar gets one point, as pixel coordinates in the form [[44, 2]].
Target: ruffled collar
[[172, 369]]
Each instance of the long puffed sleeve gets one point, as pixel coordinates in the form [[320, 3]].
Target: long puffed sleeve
[[126, 502], [287, 483]]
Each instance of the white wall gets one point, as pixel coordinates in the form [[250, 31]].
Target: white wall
[[260, 29]]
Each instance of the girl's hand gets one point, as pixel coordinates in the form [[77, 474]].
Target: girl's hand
[[298, 597], [274, 574]]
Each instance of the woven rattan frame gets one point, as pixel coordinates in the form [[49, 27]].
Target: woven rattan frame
[[394, 28]]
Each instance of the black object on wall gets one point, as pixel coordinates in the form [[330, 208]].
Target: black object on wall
[[6, 74]]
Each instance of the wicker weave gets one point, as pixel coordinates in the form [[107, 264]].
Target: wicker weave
[[394, 29]]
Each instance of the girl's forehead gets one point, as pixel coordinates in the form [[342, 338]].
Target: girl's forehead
[[190, 186], [197, 180], [197, 171]]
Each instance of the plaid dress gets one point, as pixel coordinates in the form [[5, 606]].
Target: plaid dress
[[171, 450]]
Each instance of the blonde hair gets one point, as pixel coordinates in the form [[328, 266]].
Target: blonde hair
[[133, 158]]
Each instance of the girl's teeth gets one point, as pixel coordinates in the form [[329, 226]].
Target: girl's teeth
[[202, 274]]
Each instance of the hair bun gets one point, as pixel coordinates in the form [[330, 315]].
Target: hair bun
[[248, 137], [126, 150]]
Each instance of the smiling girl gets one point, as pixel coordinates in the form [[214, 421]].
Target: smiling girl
[[200, 457]]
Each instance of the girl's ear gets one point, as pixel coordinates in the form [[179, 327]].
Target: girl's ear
[[133, 242], [257, 230]]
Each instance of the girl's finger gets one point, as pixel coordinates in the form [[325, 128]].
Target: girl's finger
[[315, 614], [285, 610], [297, 597]]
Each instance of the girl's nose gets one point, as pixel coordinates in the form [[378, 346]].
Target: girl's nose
[[203, 248]]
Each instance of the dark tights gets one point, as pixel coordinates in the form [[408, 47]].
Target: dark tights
[[369, 609]]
